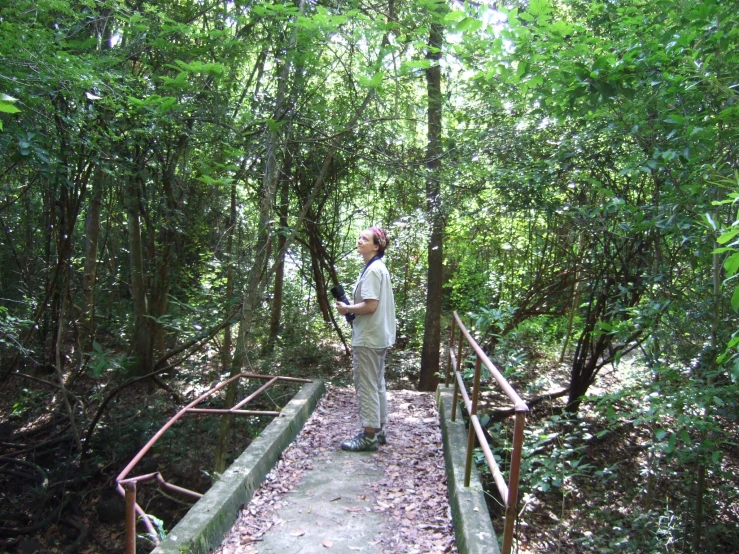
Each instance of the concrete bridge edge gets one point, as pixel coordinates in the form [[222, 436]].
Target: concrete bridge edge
[[473, 528], [206, 524]]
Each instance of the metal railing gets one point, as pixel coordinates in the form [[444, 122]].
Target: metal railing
[[508, 491], [126, 486]]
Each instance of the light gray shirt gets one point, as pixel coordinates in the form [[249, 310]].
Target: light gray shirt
[[375, 330]]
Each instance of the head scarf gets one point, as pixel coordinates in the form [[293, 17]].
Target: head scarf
[[380, 236]]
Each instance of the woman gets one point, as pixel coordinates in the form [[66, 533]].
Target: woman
[[373, 333]]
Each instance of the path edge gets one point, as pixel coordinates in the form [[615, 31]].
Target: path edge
[[207, 522], [473, 528]]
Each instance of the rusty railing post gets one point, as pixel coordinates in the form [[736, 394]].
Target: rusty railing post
[[459, 350], [449, 358], [513, 478], [508, 491], [456, 371], [130, 488], [473, 413]]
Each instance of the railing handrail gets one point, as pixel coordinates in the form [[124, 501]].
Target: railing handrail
[[508, 491], [512, 395], [126, 486]]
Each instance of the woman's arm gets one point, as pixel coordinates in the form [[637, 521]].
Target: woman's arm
[[365, 307]]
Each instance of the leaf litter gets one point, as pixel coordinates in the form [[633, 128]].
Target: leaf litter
[[411, 496]]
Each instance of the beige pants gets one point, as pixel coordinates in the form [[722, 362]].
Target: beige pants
[[369, 382]]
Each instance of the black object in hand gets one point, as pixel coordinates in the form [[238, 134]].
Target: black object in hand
[[338, 293]]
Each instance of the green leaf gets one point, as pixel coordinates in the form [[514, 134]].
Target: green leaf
[[536, 80], [684, 436], [733, 342], [5, 107], [455, 16], [469, 25], [604, 326], [166, 104], [422, 64], [6, 104], [179, 81], [373, 82], [735, 300], [215, 69], [731, 265], [273, 125], [671, 443], [539, 7], [727, 236]]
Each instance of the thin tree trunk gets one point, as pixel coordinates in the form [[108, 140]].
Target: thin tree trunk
[[701, 477], [227, 341], [277, 291], [141, 342], [428, 379], [92, 237], [314, 246], [576, 291], [92, 222], [60, 375], [158, 284]]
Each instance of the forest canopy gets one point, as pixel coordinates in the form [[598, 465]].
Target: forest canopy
[[183, 181]]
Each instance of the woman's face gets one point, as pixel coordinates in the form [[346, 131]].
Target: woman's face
[[366, 244]]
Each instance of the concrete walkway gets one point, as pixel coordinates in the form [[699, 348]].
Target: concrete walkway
[[318, 498], [329, 509]]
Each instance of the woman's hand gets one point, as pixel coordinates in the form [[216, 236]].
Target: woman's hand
[[342, 308]]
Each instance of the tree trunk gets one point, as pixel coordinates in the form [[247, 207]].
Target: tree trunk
[[92, 238], [159, 293], [576, 290], [315, 247], [277, 291], [227, 341], [86, 322], [588, 353], [141, 338], [701, 484], [428, 379]]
